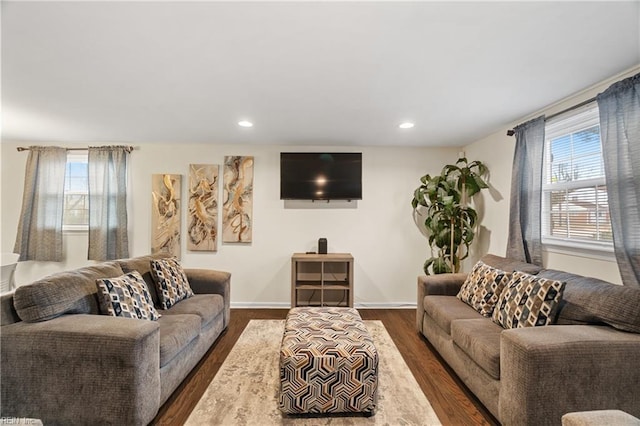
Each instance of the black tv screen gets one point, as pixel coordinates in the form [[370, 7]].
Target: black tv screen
[[320, 176]]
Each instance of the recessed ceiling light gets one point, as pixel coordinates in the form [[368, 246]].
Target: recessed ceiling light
[[245, 123], [406, 125]]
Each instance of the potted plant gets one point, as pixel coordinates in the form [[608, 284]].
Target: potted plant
[[450, 222]]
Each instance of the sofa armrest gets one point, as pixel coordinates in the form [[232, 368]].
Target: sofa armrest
[[208, 281], [546, 372], [81, 369], [441, 284]]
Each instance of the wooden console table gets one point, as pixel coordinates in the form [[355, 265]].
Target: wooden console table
[[322, 279]]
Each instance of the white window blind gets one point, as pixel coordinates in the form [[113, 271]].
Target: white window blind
[[76, 193], [574, 200]]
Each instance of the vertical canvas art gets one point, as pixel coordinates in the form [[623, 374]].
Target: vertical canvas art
[[237, 220], [202, 232], [165, 216]]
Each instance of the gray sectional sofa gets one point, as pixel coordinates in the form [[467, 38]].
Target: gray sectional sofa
[[588, 360], [65, 364]]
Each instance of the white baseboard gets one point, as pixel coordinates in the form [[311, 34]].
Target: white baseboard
[[260, 305], [286, 305], [396, 305]]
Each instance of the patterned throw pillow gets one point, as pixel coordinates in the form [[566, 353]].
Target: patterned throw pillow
[[528, 301], [171, 282], [126, 296], [482, 287]]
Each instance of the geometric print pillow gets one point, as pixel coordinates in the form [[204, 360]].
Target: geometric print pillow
[[171, 282], [483, 286], [126, 296], [528, 301]]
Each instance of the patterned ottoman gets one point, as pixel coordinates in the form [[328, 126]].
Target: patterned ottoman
[[328, 363]]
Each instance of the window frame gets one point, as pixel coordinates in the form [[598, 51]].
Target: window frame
[[565, 124], [73, 157]]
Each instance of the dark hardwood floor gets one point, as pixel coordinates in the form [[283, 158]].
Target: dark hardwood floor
[[452, 401]]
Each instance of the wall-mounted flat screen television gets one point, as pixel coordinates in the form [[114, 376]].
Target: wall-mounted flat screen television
[[320, 176]]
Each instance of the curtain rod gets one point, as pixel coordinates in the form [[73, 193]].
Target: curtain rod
[[126, 148], [511, 132]]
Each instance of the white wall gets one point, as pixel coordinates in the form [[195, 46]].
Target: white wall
[[496, 151], [380, 232]]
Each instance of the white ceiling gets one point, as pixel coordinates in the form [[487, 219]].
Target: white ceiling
[[306, 73]]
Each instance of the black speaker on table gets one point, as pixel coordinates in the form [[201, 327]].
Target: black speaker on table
[[322, 246]]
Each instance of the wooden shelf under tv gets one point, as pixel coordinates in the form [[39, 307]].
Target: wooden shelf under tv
[[322, 279]]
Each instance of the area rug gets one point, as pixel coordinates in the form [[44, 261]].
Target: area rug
[[244, 391]]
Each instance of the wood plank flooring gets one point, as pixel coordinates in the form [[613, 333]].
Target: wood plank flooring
[[452, 401]]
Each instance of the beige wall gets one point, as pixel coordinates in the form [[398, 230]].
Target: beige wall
[[379, 232], [496, 151]]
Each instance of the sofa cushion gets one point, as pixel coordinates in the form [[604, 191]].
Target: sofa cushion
[[528, 301], [592, 301], [480, 339], [205, 306], [176, 332], [482, 287], [142, 264], [444, 309], [171, 282], [8, 314], [126, 296], [510, 265], [70, 292]]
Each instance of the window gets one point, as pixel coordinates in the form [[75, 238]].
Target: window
[[76, 193], [575, 209]]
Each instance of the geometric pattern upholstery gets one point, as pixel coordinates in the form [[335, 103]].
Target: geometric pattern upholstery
[[328, 363], [528, 301], [171, 282], [482, 288], [126, 296]]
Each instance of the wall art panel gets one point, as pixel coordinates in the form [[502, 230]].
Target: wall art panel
[[165, 215], [202, 232], [237, 219]]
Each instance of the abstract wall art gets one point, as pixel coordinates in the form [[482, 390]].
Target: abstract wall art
[[202, 232], [165, 215], [237, 219]]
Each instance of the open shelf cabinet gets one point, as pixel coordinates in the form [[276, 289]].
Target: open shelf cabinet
[[322, 279]]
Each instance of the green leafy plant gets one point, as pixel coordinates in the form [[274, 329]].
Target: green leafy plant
[[450, 222]]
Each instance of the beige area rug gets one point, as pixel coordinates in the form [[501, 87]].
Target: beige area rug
[[244, 391]]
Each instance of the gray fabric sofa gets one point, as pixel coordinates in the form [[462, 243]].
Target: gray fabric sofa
[[64, 363], [532, 376]]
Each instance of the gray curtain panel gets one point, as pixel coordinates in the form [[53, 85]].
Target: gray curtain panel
[[619, 107], [108, 236], [39, 234], [525, 237]]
